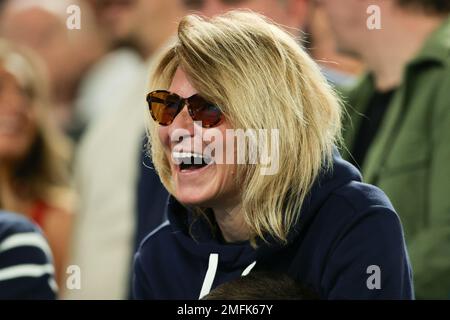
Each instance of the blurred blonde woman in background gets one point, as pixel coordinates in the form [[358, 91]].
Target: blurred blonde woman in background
[[34, 156]]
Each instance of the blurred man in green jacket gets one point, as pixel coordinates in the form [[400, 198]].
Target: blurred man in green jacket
[[398, 126]]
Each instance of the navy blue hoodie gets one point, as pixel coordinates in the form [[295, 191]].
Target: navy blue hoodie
[[347, 244]]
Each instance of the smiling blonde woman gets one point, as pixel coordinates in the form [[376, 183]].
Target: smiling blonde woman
[[313, 219]]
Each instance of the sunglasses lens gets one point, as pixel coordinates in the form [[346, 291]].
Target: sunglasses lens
[[204, 111], [163, 106]]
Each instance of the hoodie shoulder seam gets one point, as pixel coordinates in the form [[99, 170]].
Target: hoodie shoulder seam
[[379, 205]]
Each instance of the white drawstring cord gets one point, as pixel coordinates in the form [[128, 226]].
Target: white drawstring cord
[[210, 274]]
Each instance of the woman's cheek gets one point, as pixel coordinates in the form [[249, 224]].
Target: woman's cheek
[[163, 134]]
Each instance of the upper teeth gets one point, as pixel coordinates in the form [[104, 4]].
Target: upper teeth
[[185, 157]]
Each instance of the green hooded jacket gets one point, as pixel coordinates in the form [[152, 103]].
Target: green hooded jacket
[[409, 158]]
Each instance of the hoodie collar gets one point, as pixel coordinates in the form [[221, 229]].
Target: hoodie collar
[[195, 235]]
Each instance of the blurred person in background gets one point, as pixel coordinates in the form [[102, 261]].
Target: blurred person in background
[[26, 270], [339, 68], [34, 155], [110, 166], [401, 143], [102, 89], [296, 16], [262, 286], [292, 14], [67, 53]]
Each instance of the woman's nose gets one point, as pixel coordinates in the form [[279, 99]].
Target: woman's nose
[[181, 126]]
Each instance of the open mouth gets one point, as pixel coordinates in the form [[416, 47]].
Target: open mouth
[[189, 161]]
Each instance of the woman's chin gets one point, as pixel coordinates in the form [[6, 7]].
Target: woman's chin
[[193, 198], [203, 187]]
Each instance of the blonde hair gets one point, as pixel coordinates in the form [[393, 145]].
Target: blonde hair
[[44, 171], [260, 78]]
